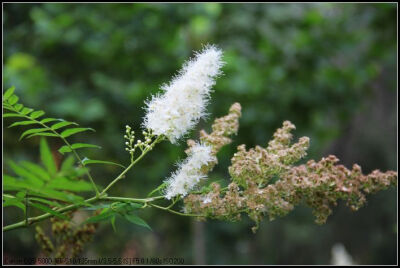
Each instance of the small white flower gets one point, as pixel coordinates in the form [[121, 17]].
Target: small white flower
[[189, 172], [184, 99], [207, 200]]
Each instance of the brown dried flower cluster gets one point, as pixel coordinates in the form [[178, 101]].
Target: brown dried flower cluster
[[265, 182], [69, 240]]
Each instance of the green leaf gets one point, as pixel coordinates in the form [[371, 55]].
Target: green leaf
[[136, 220], [26, 111], [13, 100], [37, 170], [113, 224], [62, 124], [101, 217], [49, 210], [45, 201], [58, 195], [87, 161], [70, 185], [12, 115], [22, 123], [44, 134], [18, 107], [13, 184], [30, 178], [66, 149], [72, 131], [68, 164], [9, 92], [32, 131], [47, 157], [13, 201], [46, 120], [36, 114]]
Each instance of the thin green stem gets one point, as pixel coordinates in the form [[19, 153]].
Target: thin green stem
[[176, 212], [144, 152]]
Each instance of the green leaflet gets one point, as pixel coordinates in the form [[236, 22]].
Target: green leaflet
[[47, 157], [29, 177], [62, 124], [46, 120], [105, 215], [13, 100], [9, 92], [10, 200], [45, 201], [26, 111], [32, 131], [136, 220], [49, 210], [22, 123], [70, 185], [113, 224], [36, 114], [36, 170], [12, 115], [87, 161], [66, 149], [72, 131], [18, 107], [45, 134]]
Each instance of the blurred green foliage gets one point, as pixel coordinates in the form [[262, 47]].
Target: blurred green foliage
[[328, 68]]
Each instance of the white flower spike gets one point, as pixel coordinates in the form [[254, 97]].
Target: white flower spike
[[185, 98], [189, 172]]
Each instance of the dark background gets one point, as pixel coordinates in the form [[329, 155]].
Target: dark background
[[328, 68]]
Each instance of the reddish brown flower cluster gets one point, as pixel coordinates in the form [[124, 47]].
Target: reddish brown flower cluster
[[264, 182]]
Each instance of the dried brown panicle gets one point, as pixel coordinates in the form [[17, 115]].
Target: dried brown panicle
[[265, 182]]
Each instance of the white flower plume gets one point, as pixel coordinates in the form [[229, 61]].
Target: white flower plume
[[185, 98], [189, 172]]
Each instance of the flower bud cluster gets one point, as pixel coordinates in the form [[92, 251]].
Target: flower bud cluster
[[131, 146]]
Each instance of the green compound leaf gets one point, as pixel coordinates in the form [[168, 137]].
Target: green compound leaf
[[72, 131], [67, 149]]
